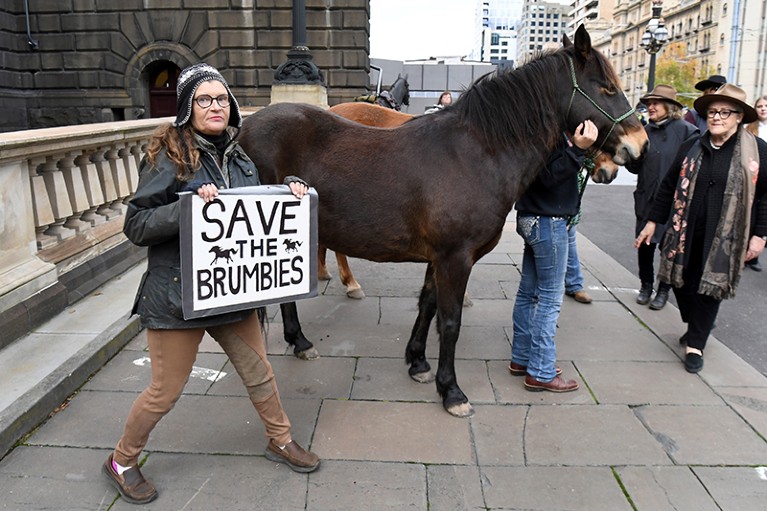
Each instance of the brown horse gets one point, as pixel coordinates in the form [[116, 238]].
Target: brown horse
[[438, 189], [369, 115]]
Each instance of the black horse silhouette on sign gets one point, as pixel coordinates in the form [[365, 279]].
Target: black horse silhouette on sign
[[291, 246], [219, 252]]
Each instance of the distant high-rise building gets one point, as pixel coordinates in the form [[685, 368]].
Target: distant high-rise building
[[499, 31], [542, 22]]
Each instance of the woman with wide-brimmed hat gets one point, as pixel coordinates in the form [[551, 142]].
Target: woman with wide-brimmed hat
[[709, 196], [669, 135]]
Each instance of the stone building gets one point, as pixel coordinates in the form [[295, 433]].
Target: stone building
[[725, 37], [81, 61]]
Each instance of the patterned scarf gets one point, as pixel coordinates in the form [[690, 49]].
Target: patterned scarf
[[721, 270]]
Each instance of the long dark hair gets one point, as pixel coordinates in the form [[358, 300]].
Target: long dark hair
[[506, 107]]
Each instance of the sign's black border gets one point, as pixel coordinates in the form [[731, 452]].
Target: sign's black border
[[185, 231]]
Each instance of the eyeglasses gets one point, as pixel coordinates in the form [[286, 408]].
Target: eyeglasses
[[724, 114], [204, 101]]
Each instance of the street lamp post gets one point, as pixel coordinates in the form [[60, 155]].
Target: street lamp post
[[654, 38], [300, 68]]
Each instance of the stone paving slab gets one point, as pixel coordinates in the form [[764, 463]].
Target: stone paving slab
[[553, 488], [398, 432], [636, 383], [346, 485], [735, 488], [607, 346], [665, 489], [704, 435], [498, 434], [454, 488], [723, 368], [606, 435], [750, 403]]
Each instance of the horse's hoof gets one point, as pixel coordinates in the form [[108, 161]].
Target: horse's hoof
[[308, 354], [426, 377], [462, 410], [324, 276], [356, 294]]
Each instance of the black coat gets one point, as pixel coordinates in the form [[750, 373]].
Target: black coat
[[706, 205], [668, 141], [152, 220]]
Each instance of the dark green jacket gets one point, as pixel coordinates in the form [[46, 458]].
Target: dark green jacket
[[152, 220]]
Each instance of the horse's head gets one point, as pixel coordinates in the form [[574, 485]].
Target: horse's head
[[400, 89], [597, 95]]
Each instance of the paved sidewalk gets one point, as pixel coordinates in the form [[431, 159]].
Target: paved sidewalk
[[640, 434]]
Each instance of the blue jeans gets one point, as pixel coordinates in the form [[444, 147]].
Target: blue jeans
[[539, 297], [573, 277]]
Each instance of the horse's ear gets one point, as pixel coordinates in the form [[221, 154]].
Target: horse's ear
[[582, 42], [566, 41]]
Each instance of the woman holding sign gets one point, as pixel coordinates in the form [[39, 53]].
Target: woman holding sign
[[194, 153]]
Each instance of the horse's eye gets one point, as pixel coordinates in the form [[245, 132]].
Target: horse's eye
[[608, 89]]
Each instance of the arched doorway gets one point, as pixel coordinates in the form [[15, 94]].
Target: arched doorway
[[163, 76]]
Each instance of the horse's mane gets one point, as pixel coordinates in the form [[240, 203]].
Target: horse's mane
[[514, 108]]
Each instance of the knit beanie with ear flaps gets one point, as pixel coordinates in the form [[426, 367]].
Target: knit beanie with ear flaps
[[188, 81]]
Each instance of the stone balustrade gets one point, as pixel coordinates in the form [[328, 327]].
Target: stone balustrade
[[63, 193]]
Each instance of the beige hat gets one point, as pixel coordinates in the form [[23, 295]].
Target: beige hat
[[731, 94], [663, 92]]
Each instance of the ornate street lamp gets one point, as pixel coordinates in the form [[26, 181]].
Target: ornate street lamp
[[300, 68], [654, 38]]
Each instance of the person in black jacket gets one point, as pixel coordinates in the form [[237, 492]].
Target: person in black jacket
[[668, 135], [543, 213], [195, 153], [709, 193]]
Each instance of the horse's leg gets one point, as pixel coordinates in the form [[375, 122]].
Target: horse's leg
[[451, 278], [353, 288], [302, 347], [415, 353], [322, 268]]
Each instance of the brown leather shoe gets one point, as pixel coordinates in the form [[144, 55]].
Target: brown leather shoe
[[294, 456], [556, 385], [520, 370], [131, 484], [582, 296]]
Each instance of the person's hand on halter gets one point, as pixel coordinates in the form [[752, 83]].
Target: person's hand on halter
[[585, 134]]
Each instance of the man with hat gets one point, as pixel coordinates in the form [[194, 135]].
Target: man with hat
[[708, 194], [668, 135], [708, 86]]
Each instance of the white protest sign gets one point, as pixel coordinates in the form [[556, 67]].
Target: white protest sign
[[249, 247]]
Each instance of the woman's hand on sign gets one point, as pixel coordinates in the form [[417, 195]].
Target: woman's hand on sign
[[298, 189], [207, 192]]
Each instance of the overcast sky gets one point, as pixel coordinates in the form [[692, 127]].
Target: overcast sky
[[419, 29]]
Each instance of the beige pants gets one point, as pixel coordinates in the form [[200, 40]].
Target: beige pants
[[173, 353]]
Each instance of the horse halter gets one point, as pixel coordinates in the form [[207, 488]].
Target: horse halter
[[576, 88]]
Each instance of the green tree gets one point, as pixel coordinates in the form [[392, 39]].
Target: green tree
[[675, 68]]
